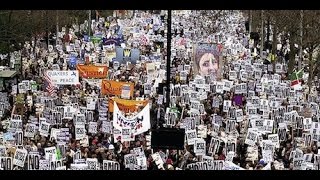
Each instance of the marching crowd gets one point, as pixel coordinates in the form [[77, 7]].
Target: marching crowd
[[90, 101]]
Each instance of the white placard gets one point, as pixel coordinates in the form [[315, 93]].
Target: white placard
[[20, 157], [44, 164], [56, 164], [6, 163], [126, 134], [80, 131], [226, 105], [64, 77], [251, 137], [191, 136], [130, 160], [50, 153], [68, 112], [3, 151], [93, 127], [19, 138], [92, 163], [44, 129], [275, 139], [30, 130], [214, 145], [125, 91], [239, 115], [80, 119], [268, 126], [218, 165], [106, 127], [53, 134], [34, 161], [91, 103], [199, 166], [110, 165], [78, 167], [199, 147]]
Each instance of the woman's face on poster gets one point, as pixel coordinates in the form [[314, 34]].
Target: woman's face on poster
[[208, 64]]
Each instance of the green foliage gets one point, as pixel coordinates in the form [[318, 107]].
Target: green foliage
[[18, 26]]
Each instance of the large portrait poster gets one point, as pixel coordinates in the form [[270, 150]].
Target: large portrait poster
[[207, 60]]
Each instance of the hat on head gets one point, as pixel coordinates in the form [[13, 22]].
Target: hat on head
[[169, 161], [262, 162], [111, 147]]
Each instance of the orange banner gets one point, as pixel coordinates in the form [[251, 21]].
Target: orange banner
[[110, 87], [127, 105], [91, 71]]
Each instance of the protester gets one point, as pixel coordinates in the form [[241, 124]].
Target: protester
[[89, 101]]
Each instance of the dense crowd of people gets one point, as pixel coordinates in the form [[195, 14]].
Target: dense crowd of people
[[89, 101]]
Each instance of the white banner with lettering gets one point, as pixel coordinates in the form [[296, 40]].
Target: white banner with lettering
[[64, 77], [140, 123]]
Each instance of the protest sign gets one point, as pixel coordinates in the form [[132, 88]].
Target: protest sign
[[91, 71], [139, 123], [20, 157], [214, 145], [239, 115], [30, 130], [93, 127], [251, 137], [92, 163], [199, 147], [198, 166], [126, 134], [78, 167], [44, 164], [106, 127], [3, 151], [110, 165], [218, 164], [110, 87], [63, 77], [80, 131], [126, 105], [50, 153], [6, 163], [129, 160], [44, 129], [68, 112], [56, 164], [191, 136]]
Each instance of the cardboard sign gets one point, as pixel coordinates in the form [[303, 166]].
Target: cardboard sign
[[214, 145], [90, 71], [93, 127], [44, 164], [92, 163], [20, 157], [6, 163], [110, 87], [199, 147], [33, 161], [44, 129], [191, 136], [110, 165], [251, 137]]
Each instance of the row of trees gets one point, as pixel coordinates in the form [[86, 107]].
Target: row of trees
[[18, 26], [300, 27]]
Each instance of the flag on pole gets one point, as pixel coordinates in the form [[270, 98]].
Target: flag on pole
[[58, 154], [296, 78], [48, 84]]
